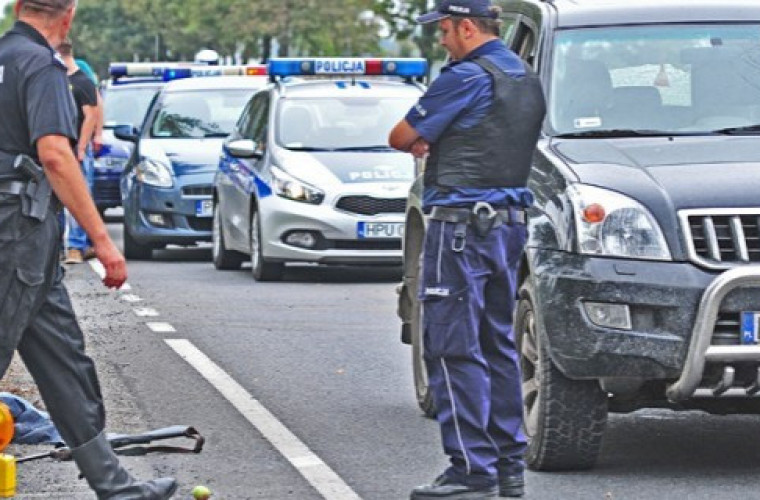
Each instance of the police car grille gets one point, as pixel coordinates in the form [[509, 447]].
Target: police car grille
[[368, 205], [723, 238], [198, 190]]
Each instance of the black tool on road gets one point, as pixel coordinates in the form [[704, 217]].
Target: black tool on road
[[126, 444]]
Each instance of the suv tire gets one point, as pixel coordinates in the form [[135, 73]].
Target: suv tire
[[564, 418], [419, 370], [224, 259], [262, 269]]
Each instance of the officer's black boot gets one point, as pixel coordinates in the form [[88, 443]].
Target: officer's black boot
[[110, 481]]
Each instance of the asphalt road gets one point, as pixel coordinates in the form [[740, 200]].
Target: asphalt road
[[320, 351]]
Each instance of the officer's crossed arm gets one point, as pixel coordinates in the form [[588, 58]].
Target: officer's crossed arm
[[65, 177], [404, 138]]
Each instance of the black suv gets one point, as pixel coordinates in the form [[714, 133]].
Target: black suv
[[640, 284]]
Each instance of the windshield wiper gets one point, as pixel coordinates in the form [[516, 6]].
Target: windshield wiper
[[747, 129], [381, 147], [215, 134], [618, 133]]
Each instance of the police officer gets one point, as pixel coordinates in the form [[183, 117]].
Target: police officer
[[36, 316], [478, 125]]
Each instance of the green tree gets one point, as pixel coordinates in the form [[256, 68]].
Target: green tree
[[7, 20]]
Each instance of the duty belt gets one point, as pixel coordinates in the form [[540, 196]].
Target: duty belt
[[482, 217], [12, 187], [470, 215]]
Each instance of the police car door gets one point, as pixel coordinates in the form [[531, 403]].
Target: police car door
[[246, 178]]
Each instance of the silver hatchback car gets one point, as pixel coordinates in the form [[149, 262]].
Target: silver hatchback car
[[307, 175]]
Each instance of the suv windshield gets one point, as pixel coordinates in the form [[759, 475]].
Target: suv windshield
[[666, 78], [354, 123], [127, 106], [198, 114]]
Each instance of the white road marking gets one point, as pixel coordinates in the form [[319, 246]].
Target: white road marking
[[97, 267], [130, 297], [161, 327], [311, 467], [145, 312]]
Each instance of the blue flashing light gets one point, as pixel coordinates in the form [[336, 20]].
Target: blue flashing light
[[327, 66]]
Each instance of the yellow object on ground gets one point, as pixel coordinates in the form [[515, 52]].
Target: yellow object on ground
[[7, 476]]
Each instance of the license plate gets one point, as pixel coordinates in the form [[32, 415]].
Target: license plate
[[750, 327], [204, 208], [380, 230]]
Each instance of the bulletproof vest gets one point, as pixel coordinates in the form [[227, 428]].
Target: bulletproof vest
[[496, 152]]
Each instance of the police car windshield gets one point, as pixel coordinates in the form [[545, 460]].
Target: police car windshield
[[198, 114], [684, 79], [339, 123], [127, 106]]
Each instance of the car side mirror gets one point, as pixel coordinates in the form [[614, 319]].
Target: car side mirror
[[244, 148], [126, 133]]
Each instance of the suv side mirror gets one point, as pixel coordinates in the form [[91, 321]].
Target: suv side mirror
[[126, 133], [244, 148]]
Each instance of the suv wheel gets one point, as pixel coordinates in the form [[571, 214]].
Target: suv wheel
[[564, 419], [223, 259], [261, 268], [421, 387], [134, 250]]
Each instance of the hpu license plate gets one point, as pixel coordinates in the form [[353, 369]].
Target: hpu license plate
[[380, 230], [750, 327], [204, 208]]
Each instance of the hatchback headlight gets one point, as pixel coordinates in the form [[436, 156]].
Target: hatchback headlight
[[615, 225], [155, 173], [287, 186]]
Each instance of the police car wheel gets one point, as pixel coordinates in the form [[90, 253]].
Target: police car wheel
[[134, 250], [262, 269], [223, 258], [564, 419]]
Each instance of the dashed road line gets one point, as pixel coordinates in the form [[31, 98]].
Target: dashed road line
[[130, 297], [311, 467], [146, 312], [161, 327]]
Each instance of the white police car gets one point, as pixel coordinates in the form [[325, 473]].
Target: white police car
[[307, 175], [166, 186]]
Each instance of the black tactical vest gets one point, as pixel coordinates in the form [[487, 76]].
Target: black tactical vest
[[497, 152]]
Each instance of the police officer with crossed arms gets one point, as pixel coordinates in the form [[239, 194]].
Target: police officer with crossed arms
[[36, 317], [478, 125]]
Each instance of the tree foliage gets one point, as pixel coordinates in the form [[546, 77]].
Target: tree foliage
[[148, 30]]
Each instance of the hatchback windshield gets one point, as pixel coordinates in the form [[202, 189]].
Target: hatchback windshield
[[197, 114], [339, 123], [127, 106], [668, 78]]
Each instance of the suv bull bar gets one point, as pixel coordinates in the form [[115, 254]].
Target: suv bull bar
[[700, 350]]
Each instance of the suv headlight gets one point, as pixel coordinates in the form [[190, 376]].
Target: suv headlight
[[615, 225], [154, 172], [289, 187]]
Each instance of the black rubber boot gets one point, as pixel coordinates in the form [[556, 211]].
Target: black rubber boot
[[110, 481], [512, 486]]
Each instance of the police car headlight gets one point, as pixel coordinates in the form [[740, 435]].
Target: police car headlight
[[615, 225], [289, 187], [154, 173]]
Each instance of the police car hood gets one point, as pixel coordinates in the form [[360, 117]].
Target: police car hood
[[187, 156], [341, 168], [685, 172]]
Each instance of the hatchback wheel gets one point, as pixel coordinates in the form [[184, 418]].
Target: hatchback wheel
[[223, 258]]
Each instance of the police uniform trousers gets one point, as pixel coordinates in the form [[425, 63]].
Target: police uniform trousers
[[468, 295], [38, 320]]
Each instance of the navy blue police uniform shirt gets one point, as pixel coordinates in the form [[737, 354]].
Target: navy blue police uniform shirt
[[461, 97], [34, 95]]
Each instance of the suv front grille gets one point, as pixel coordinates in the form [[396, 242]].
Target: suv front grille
[[368, 205], [722, 238]]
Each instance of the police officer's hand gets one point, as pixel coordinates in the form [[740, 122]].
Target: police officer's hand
[[420, 148], [113, 262]]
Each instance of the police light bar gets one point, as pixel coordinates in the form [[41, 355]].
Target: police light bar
[[119, 70], [328, 66], [199, 71]]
